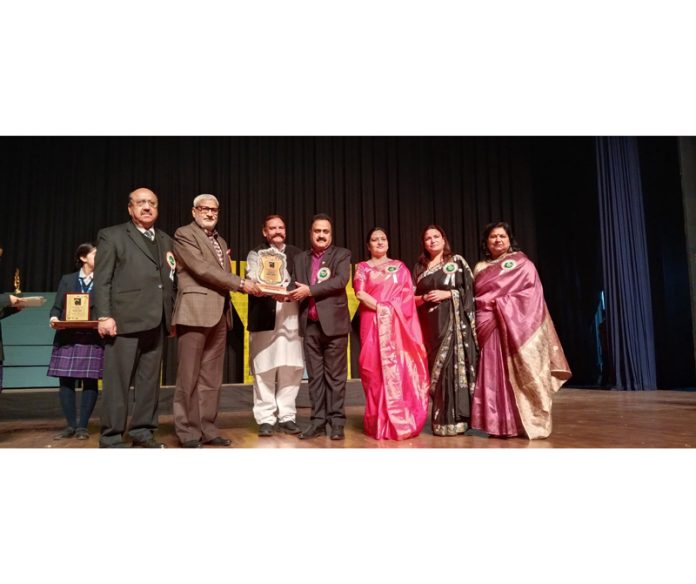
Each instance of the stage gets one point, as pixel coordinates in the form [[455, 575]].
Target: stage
[[582, 418]]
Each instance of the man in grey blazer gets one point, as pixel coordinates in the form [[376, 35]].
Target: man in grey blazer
[[321, 275], [202, 317], [133, 297]]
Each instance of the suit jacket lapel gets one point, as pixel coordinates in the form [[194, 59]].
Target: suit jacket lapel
[[205, 243], [328, 256], [139, 240], [307, 266]]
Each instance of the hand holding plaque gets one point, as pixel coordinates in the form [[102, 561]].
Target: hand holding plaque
[[272, 264]]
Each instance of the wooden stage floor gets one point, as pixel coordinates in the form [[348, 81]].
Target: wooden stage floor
[[583, 418]]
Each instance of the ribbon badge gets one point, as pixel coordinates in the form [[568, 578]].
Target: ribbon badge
[[450, 269], [172, 265], [323, 274], [508, 264], [392, 270]]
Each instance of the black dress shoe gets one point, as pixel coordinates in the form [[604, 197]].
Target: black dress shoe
[[337, 433], [191, 444], [289, 427], [265, 430], [312, 432], [113, 445], [218, 441], [149, 443]]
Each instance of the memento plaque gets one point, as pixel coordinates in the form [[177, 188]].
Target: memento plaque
[[76, 306], [76, 313], [272, 263]]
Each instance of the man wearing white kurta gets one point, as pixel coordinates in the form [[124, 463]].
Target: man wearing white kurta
[[275, 346]]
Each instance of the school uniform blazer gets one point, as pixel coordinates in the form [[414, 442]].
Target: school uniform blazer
[[71, 283]]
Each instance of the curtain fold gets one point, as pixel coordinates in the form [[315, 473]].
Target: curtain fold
[[625, 264]]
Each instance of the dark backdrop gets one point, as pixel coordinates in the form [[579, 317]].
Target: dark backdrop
[[58, 191]]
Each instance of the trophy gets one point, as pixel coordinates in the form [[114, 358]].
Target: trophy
[[26, 301], [272, 264], [17, 282]]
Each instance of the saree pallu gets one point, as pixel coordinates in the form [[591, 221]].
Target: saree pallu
[[393, 363], [522, 362], [450, 338]]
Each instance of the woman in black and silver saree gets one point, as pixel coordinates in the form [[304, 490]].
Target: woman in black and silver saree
[[446, 310]]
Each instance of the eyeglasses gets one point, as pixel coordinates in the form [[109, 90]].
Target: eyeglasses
[[213, 210], [143, 202]]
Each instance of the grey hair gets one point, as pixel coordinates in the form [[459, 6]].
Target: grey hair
[[199, 198]]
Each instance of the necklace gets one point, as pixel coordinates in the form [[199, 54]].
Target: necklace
[[374, 263]]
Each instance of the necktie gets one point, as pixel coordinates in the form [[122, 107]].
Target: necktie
[[150, 235], [216, 246]]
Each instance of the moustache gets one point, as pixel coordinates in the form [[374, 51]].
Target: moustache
[[321, 239]]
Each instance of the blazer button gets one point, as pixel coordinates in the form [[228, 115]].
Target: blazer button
[[159, 285]]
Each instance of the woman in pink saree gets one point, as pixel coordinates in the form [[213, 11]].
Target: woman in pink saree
[[393, 362], [522, 363]]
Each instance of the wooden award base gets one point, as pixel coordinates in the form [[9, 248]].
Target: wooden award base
[[75, 324], [273, 290]]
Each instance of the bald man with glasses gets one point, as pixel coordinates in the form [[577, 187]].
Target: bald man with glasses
[[134, 288], [202, 316]]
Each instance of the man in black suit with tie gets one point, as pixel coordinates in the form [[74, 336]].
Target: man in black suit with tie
[[321, 275], [133, 295]]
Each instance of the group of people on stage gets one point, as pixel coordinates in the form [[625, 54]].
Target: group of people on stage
[[492, 359], [482, 345]]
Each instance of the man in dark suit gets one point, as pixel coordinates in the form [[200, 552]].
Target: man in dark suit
[[275, 345], [133, 296], [321, 275], [202, 317]]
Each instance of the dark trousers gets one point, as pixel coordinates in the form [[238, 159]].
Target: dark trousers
[[327, 369], [201, 352], [135, 358], [68, 403]]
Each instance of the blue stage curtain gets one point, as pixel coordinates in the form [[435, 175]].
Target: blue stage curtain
[[625, 264]]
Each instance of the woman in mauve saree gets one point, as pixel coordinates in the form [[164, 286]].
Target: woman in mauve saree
[[393, 363], [445, 300], [522, 363]]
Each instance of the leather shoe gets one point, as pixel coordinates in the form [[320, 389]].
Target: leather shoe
[[337, 433], [289, 427], [265, 430], [218, 441], [191, 444], [113, 445], [149, 443], [312, 431]]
